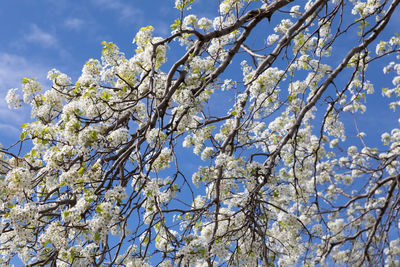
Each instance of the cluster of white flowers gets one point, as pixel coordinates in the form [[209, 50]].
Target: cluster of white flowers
[[59, 79], [283, 26], [228, 6], [272, 39], [181, 4], [19, 181], [29, 88], [163, 160], [92, 67], [294, 11], [12, 99], [204, 23], [392, 253], [381, 48], [365, 8], [155, 137], [189, 22], [144, 36], [391, 46], [198, 139], [54, 235], [118, 137], [207, 152]]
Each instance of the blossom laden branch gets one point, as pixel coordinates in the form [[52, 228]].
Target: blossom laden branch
[[107, 182]]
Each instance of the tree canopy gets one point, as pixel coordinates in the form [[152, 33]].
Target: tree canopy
[[275, 169]]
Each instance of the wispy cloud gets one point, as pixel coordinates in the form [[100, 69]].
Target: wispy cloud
[[8, 132], [74, 23], [14, 67], [37, 35], [127, 12]]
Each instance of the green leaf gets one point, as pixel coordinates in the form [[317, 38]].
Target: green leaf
[[26, 80], [176, 24], [105, 96], [81, 171], [93, 135], [45, 243], [23, 135], [97, 237], [99, 209]]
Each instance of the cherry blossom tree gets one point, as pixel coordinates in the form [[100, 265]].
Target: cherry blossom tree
[[261, 95]]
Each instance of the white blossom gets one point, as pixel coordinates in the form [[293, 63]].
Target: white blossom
[[12, 99]]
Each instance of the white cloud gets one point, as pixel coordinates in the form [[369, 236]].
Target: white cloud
[[128, 14], [37, 35], [14, 67], [10, 132], [74, 23]]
